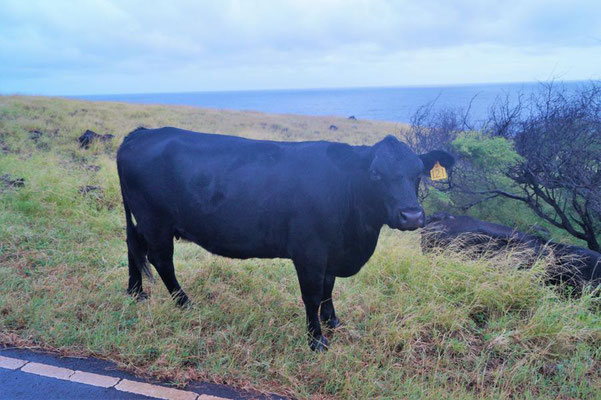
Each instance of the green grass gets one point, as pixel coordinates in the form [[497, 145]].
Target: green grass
[[415, 326]]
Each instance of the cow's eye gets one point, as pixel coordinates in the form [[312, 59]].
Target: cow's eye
[[375, 175]]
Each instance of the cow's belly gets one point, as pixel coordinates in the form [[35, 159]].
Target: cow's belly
[[242, 252], [237, 234], [241, 246]]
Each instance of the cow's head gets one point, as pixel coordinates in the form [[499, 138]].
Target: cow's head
[[395, 172]]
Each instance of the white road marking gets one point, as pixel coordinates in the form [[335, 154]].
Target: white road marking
[[160, 392], [11, 363], [94, 379], [48, 370]]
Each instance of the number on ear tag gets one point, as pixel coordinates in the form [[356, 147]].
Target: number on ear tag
[[438, 172]]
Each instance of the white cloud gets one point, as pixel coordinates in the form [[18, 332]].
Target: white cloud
[[64, 47]]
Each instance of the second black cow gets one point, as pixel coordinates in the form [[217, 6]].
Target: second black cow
[[320, 204], [573, 265]]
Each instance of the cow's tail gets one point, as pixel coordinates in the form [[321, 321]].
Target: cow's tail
[[136, 244]]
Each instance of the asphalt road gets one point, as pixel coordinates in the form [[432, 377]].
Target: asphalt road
[[19, 384]]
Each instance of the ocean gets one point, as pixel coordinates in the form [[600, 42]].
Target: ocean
[[397, 104]]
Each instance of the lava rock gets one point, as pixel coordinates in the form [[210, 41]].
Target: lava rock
[[35, 134], [89, 136], [9, 182], [89, 188]]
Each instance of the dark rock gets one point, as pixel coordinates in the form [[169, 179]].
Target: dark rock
[[95, 195], [35, 134], [93, 168], [89, 136], [83, 110], [9, 182], [88, 188], [333, 128], [352, 117]]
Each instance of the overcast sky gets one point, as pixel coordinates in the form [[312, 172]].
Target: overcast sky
[[109, 46]]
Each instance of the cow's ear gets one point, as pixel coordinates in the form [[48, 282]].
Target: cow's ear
[[436, 156]]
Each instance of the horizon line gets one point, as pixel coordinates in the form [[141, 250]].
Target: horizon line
[[341, 88]]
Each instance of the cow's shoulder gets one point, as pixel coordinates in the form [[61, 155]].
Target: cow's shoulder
[[346, 156]]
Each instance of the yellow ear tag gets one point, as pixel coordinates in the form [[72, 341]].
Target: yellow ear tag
[[438, 172]]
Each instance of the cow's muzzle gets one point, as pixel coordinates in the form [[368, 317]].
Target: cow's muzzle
[[410, 220]]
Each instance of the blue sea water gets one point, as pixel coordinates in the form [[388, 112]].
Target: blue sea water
[[384, 103]]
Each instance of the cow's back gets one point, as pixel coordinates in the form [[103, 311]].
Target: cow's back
[[235, 197], [467, 232], [575, 264]]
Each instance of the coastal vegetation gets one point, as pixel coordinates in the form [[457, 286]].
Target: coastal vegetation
[[433, 326], [537, 155]]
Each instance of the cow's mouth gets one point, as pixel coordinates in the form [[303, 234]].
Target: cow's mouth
[[409, 220], [401, 227]]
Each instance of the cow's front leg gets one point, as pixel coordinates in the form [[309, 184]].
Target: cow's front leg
[[310, 277], [327, 312]]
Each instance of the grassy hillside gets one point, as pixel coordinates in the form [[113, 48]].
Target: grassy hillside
[[415, 326]]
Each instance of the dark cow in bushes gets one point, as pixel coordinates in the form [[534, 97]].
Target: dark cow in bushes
[[574, 265], [443, 229], [320, 204]]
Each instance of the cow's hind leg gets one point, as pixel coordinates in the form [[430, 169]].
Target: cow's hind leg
[[134, 287], [327, 313], [160, 254], [137, 250]]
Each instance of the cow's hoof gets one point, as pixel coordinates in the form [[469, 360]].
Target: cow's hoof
[[183, 302], [138, 296], [333, 323], [319, 344]]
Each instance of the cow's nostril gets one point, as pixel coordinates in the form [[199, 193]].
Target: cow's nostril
[[412, 217]]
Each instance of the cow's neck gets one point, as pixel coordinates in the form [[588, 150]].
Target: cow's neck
[[360, 228], [371, 209], [368, 214]]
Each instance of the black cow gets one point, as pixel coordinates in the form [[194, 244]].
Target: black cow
[[320, 204], [442, 229], [574, 265]]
